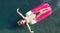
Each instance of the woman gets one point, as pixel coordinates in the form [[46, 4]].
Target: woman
[[37, 14], [29, 18]]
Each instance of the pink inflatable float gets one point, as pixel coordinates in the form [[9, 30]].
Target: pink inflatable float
[[35, 15], [44, 9]]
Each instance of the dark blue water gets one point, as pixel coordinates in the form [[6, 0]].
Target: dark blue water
[[9, 16]]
